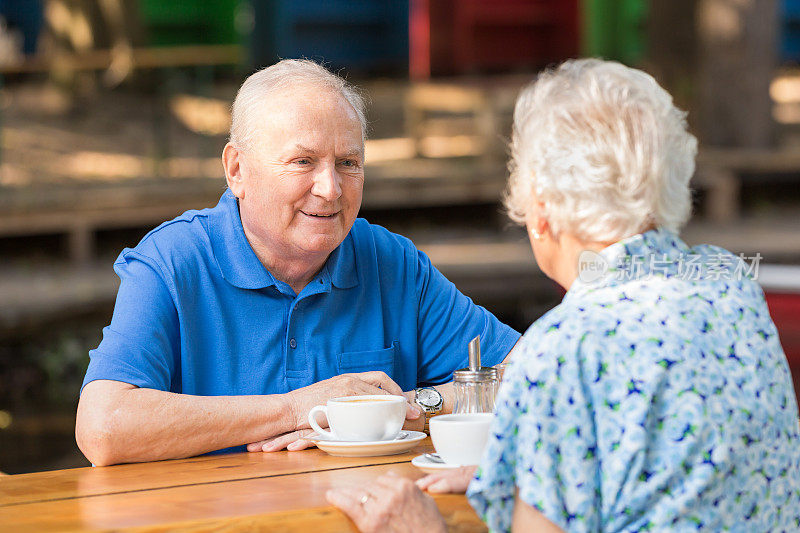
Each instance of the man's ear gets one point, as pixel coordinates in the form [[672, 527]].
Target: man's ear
[[234, 171]]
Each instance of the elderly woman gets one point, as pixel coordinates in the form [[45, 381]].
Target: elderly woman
[[656, 396]]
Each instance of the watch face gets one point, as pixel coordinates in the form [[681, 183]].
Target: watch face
[[428, 397]]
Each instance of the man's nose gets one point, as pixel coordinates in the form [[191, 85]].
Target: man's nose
[[327, 184]]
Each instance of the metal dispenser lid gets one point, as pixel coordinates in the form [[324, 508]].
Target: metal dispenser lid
[[475, 373], [483, 375]]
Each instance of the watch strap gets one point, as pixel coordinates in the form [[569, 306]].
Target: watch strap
[[428, 410]]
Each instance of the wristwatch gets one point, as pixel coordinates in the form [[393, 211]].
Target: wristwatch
[[431, 402]]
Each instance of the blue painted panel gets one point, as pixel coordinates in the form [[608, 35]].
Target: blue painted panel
[[358, 34]]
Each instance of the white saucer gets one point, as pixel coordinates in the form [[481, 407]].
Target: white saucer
[[404, 442], [431, 467]]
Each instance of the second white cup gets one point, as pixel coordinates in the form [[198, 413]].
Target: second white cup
[[361, 418], [460, 439]]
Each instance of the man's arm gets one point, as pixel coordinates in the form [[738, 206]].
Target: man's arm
[[293, 440], [119, 423]]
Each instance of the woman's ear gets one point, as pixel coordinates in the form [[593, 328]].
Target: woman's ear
[[537, 223], [234, 171]]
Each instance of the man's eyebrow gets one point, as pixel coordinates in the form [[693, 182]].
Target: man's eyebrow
[[353, 153], [306, 149]]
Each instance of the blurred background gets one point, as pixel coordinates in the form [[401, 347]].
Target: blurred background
[[113, 115]]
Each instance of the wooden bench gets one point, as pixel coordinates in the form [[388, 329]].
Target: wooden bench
[[721, 172], [79, 210], [135, 58], [476, 110]]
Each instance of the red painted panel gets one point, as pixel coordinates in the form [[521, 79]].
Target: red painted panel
[[784, 308], [479, 35]]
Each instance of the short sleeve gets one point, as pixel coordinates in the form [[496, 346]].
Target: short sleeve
[[140, 345], [542, 440], [447, 321]]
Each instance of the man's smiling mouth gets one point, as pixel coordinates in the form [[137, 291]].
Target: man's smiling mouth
[[319, 215]]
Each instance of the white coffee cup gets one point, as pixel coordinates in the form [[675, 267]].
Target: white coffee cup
[[460, 439], [361, 418]]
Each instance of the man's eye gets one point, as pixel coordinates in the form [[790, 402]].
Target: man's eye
[[304, 161], [350, 163]]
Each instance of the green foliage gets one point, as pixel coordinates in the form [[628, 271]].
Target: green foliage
[[44, 370]]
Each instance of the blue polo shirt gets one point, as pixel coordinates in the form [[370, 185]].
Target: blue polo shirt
[[197, 313]]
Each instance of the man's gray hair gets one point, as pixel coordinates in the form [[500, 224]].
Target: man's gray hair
[[284, 77], [605, 150]]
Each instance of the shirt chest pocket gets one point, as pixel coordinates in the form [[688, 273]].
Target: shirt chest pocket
[[383, 360]]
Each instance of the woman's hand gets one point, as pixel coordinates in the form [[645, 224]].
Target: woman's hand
[[455, 480], [391, 503]]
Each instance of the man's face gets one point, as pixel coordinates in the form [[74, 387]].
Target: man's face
[[302, 178]]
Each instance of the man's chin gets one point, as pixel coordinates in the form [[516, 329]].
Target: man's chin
[[322, 243]]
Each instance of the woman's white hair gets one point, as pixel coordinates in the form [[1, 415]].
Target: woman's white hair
[[604, 149], [284, 77]]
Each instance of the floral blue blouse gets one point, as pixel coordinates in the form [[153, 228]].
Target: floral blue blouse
[[656, 397]]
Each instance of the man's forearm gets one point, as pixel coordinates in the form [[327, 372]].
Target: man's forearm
[[448, 396], [133, 424]]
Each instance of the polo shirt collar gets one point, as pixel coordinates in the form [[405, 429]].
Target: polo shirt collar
[[240, 265], [341, 264], [236, 259]]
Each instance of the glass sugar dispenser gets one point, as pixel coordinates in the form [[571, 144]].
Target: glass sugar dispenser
[[476, 386]]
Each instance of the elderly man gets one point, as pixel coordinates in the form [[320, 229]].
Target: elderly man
[[232, 322]]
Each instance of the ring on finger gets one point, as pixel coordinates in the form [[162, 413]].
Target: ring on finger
[[365, 498]]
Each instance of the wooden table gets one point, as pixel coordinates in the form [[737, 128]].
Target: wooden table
[[282, 491]]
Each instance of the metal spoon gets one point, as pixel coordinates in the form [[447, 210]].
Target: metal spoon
[[434, 458]]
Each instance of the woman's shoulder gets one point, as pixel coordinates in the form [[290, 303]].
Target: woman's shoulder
[[578, 316], [560, 331], [584, 332]]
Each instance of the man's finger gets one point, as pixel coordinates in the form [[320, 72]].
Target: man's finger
[[380, 379], [280, 442], [300, 443], [412, 412], [256, 446]]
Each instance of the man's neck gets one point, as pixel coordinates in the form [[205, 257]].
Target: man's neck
[[296, 270]]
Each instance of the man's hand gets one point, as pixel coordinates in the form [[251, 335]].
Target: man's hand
[[455, 480], [303, 399], [292, 441], [391, 503], [414, 423]]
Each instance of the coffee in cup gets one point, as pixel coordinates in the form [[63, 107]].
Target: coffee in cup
[[361, 418], [459, 439]]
